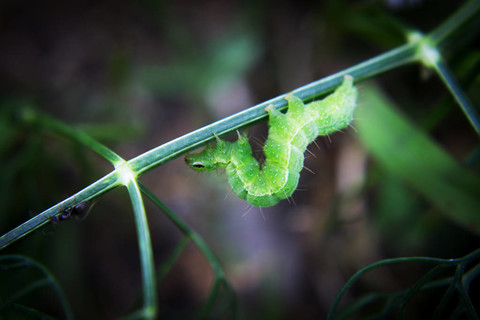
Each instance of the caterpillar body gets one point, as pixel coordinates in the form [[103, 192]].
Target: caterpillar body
[[289, 135]]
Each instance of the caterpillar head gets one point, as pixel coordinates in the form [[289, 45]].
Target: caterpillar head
[[203, 161], [211, 158]]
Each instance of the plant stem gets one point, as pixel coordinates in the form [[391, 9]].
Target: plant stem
[[146, 254], [471, 114], [34, 117], [454, 22]]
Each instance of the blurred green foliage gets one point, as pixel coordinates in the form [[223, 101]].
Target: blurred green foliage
[[408, 154]]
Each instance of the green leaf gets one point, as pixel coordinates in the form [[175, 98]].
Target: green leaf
[[409, 154]]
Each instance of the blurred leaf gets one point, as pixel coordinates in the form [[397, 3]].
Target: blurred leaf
[[408, 153]]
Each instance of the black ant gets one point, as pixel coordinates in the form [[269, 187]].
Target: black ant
[[78, 210]]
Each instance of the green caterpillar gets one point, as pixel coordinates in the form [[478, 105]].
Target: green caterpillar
[[288, 137]]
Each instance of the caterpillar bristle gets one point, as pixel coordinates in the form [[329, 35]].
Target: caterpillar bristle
[[308, 169], [311, 153], [261, 213]]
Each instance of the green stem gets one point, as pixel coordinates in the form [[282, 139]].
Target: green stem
[[146, 254], [187, 231], [167, 265], [24, 262], [454, 22], [449, 80], [445, 262], [220, 277], [37, 118]]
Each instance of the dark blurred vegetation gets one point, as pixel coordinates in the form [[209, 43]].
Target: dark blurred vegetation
[[136, 74]]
